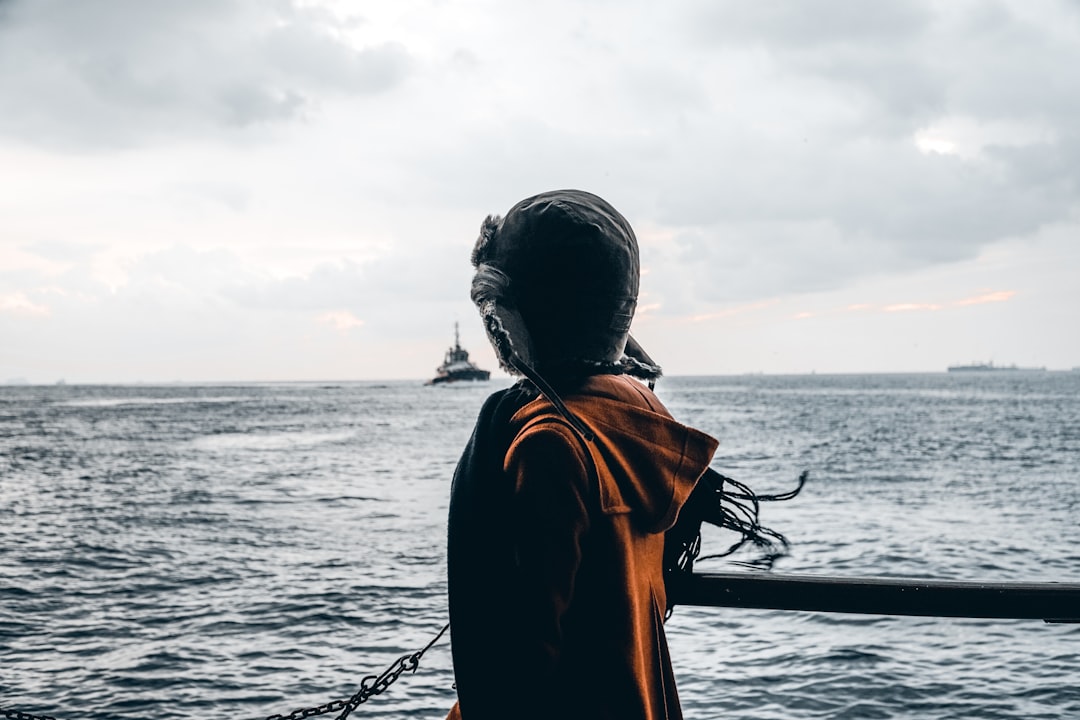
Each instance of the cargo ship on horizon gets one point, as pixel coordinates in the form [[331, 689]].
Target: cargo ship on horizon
[[991, 367]]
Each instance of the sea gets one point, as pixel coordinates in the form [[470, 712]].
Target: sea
[[246, 550]]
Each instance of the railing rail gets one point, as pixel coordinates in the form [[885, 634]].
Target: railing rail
[[1049, 601]]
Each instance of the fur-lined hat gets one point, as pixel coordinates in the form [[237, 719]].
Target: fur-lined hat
[[556, 284]]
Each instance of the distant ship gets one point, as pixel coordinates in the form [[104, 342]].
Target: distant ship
[[456, 365], [990, 366]]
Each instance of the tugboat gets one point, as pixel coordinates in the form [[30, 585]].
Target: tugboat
[[457, 366]]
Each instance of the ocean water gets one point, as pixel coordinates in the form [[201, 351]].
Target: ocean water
[[243, 550]]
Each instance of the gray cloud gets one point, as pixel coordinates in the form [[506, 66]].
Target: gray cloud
[[760, 226], [809, 24], [174, 292], [761, 211], [755, 216], [121, 72], [912, 59], [382, 286], [62, 251]]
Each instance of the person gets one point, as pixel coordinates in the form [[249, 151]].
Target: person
[[562, 496]]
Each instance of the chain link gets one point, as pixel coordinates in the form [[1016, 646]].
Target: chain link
[[370, 686], [16, 715]]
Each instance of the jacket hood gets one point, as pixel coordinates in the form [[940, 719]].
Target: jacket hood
[[647, 463]]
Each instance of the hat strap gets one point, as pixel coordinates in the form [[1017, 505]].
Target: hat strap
[[544, 387]]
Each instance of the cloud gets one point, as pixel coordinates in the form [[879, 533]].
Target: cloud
[[730, 312], [992, 297], [19, 304], [911, 307], [62, 251], [124, 72], [397, 278], [340, 320], [784, 147], [832, 42], [988, 297], [811, 170]]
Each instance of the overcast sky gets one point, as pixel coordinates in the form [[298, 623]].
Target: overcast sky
[[216, 190]]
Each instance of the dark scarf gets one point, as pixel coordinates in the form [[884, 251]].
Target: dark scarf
[[480, 568]]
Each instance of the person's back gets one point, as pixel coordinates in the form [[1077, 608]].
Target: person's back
[[560, 501]]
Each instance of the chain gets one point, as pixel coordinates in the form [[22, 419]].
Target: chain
[[16, 715], [332, 706], [369, 686]]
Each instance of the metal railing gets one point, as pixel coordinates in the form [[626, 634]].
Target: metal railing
[[1048, 601]]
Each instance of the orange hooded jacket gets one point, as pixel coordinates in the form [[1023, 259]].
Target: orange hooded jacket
[[572, 626]]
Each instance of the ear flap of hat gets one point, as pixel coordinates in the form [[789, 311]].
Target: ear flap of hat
[[491, 294], [638, 363], [635, 351], [507, 332]]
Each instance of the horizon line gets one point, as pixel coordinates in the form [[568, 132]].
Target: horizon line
[[61, 382]]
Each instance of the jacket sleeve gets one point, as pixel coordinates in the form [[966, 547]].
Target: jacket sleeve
[[550, 471]]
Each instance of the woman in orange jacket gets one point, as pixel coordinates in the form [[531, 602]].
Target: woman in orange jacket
[[561, 499]]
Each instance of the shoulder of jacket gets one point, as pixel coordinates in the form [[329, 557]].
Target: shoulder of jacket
[[549, 432], [550, 425]]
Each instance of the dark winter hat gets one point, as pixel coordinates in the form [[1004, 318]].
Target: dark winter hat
[[557, 282]]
